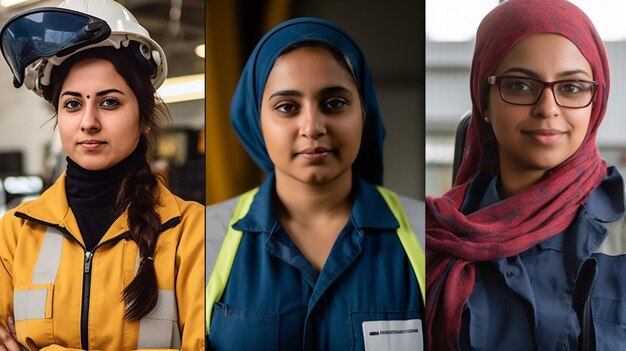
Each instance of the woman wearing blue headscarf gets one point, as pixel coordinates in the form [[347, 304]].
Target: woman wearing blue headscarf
[[320, 256]]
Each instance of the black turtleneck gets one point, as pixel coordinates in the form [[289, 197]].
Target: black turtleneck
[[92, 196]]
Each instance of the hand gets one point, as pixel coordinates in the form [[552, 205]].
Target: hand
[[8, 338]]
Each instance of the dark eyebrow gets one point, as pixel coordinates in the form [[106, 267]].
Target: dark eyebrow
[[108, 91], [333, 90], [323, 92], [573, 72], [533, 74], [71, 93], [285, 93], [525, 71], [100, 93]]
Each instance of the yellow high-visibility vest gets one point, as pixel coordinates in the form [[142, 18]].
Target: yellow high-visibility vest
[[228, 250]]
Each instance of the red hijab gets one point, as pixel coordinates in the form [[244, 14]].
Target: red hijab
[[454, 241]]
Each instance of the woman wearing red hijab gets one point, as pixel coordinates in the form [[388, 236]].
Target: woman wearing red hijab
[[518, 252]]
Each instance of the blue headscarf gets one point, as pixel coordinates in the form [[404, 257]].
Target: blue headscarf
[[246, 105]]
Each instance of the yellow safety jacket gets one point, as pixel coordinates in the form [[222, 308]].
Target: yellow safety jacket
[[63, 297], [220, 271]]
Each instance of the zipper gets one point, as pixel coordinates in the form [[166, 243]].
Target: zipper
[[84, 313], [84, 317], [84, 310]]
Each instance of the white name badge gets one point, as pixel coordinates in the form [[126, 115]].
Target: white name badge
[[393, 335]]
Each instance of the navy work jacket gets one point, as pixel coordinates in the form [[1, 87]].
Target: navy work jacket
[[526, 302], [274, 299]]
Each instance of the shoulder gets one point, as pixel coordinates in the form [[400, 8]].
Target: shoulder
[[217, 220], [222, 212], [189, 208], [9, 223], [606, 205], [411, 206], [169, 204], [50, 206], [606, 202], [414, 211], [189, 230], [614, 243], [12, 229], [222, 209]]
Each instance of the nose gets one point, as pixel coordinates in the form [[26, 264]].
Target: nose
[[312, 124], [89, 122], [546, 107]]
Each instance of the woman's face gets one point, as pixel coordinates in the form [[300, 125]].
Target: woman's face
[[98, 115], [541, 136], [311, 117]]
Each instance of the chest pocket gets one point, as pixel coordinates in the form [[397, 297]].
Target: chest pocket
[[32, 307], [609, 311], [609, 319], [243, 329], [383, 331]]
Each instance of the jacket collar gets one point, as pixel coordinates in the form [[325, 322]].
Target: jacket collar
[[52, 208], [368, 211], [605, 204]]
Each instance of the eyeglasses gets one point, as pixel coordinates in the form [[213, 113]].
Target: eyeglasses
[[526, 91]]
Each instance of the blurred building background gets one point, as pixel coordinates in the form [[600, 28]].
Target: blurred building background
[[391, 35], [450, 29], [30, 149]]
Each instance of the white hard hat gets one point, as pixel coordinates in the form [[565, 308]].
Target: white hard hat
[[35, 41]]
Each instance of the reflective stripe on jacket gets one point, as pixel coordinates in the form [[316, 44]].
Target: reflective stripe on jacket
[[222, 241], [53, 287]]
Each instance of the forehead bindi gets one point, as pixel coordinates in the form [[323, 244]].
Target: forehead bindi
[[102, 75]]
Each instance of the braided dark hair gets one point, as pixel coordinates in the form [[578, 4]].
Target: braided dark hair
[[137, 194]]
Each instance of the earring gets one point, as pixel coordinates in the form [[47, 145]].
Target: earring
[[486, 120]]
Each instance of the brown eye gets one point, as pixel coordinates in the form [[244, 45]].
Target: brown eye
[[335, 104], [571, 88], [110, 103], [71, 104], [287, 108]]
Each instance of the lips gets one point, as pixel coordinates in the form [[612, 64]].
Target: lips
[[315, 153], [547, 136], [91, 144]]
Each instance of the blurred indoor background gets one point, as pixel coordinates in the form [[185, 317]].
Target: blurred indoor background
[[391, 35], [31, 155], [450, 29]]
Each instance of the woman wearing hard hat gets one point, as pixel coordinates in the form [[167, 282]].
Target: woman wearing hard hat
[[107, 258]]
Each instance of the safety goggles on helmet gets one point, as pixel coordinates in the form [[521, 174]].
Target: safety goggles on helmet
[[46, 32]]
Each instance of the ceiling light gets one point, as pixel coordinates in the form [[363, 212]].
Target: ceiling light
[[183, 88]]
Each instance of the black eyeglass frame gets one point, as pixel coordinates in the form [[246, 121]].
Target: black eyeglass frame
[[495, 80]]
